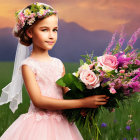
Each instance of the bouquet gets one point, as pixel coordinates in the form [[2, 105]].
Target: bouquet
[[116, 74]]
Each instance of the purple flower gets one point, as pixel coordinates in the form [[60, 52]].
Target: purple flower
[[111, 43], [137, 71], [133, 53], [105, 80], [133, 38], [124, 139], [136, 77], [123, 60], [121, 39], [135, 85], [128, 127], [103, 125], [135, 139], [137, 62]]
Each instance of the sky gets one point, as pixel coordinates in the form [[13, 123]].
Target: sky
[[92, 15]]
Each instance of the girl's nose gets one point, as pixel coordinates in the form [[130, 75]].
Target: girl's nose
[[51, 34]]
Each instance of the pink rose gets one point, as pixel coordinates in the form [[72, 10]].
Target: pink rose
[[125, 66], [112, 90], [21, 19], [92, 65], [89, 79], [85, 66], [107, 62], [122, 71]]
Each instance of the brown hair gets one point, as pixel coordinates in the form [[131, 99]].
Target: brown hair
[[21, 34]]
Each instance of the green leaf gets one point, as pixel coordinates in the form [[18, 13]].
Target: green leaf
[[81, 62], [71, 81], [88, 61], [61, 82], [95, 58], [16, 13], [35, 8], [128, 48], [116, 49]]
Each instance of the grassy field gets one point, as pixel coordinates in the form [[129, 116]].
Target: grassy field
[[115, 123]]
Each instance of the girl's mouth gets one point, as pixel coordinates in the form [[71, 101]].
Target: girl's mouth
[[50, 42]]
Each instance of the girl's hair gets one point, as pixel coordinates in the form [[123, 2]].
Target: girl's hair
[[21, 33]]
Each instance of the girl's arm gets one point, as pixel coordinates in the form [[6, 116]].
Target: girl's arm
[[56, 104], [65, 89], [42, 101]]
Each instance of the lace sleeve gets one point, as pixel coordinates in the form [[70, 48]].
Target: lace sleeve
[[28, 63]]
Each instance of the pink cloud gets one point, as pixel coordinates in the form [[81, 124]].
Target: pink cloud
[[93, 14]]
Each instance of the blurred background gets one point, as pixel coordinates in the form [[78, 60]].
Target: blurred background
[[83, 25]]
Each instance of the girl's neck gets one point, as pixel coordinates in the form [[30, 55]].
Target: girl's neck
[[40, 53]]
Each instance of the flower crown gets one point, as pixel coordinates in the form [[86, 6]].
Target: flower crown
[[29, 15]]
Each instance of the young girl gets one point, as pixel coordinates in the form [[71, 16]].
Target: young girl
[[37, 24]]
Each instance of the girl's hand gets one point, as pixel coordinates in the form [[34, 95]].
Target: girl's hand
[[94, 101]]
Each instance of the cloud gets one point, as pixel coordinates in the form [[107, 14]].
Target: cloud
[[99, 14], [90, 14]]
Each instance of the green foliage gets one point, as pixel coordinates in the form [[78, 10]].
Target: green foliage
[[71, 81], [78, 90], [88, 57], [81, 62], [133, 66], [95, 58], [35, 8], [127, 49], [116, 49], [110, 73], [16, 13], [139, 54]]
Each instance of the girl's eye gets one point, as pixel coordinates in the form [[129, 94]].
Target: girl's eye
[[44, 29], [55, 30]]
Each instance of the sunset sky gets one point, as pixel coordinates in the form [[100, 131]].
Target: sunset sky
[[91, 14]]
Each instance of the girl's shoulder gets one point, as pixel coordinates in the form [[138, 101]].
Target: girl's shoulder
[[58, 59], [35, 64], [29, 62]]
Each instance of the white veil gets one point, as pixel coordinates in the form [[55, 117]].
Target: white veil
[[13, 91]]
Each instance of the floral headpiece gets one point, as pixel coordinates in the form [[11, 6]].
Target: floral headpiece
[[29, 15]]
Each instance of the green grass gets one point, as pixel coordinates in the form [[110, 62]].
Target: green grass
[[116, 121]]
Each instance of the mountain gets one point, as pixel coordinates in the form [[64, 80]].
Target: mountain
[[73, 41]]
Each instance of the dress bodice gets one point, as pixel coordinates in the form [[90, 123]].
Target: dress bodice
[[46, 74]]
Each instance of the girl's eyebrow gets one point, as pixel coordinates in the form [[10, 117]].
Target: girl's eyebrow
[[47, 27]]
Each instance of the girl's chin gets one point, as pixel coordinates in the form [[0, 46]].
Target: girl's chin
[[49, 47]]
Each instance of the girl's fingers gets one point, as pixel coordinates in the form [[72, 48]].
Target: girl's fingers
[[102, 100], [107, 97], [101, 96], [97, 106], [101, 103]]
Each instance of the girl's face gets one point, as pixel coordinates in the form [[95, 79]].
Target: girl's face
[[44, 33]]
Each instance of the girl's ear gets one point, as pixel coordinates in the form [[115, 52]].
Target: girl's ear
[[29, 32]]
